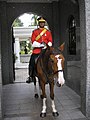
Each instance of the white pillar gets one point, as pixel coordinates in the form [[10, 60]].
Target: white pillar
[[17, 49]]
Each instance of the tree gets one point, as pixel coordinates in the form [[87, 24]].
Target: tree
[[34, 17], [17, 23]]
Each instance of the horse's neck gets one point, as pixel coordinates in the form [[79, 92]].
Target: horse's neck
[[45, 58]]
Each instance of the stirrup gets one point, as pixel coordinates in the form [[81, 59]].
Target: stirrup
[[29, 80]]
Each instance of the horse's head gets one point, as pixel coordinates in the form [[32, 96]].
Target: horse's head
[[56, 64], [53, 63]]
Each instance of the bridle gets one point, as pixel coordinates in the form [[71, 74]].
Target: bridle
[[57, 71], [54, 72], [49, 74]]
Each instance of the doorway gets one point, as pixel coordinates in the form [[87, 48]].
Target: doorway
[[22, 46]]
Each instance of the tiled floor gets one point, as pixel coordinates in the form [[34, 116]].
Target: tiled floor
[[20, 104]]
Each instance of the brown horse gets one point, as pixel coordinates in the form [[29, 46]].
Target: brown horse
[[49, 68]]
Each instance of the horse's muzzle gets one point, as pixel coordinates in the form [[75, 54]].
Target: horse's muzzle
[[59, 85]]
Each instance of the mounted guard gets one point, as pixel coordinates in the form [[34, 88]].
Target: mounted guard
[[39, 36]]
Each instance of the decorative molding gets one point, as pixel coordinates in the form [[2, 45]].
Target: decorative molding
[[32, 1]]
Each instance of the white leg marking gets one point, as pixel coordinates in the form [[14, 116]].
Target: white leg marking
[[35, 89], [44, 106], [53, 106]]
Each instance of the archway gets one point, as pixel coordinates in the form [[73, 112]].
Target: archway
[[22, 47]]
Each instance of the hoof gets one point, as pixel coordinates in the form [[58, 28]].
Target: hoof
[[43, 115], [29, 80], [36, 96], [55, 114]]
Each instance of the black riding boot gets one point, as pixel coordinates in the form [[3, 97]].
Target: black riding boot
[[31, 68], [30, 78]]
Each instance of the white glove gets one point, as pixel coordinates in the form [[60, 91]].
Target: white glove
[[42, 45], [36, 44], [49, 44]]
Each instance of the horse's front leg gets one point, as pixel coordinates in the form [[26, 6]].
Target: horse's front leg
[[43, 112], [54, 111]]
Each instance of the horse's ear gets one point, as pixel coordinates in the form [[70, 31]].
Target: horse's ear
[[62, 46]]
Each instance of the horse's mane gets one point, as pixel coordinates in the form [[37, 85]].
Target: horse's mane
[[44, 57]]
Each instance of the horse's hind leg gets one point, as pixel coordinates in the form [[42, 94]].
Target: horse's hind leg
[[54, 111], [35, 87]]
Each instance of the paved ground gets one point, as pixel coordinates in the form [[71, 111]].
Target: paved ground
[[20, 104]]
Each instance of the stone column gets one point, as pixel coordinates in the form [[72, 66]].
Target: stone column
[[88, 58], [1, 93], [85, 55], [17, 49]]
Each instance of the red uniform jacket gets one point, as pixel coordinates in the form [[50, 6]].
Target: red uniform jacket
[[46, 37]]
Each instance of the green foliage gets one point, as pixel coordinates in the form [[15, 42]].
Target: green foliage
[[22, 52], [15, 57], [28, 47], [34, 17], [17, 23]]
